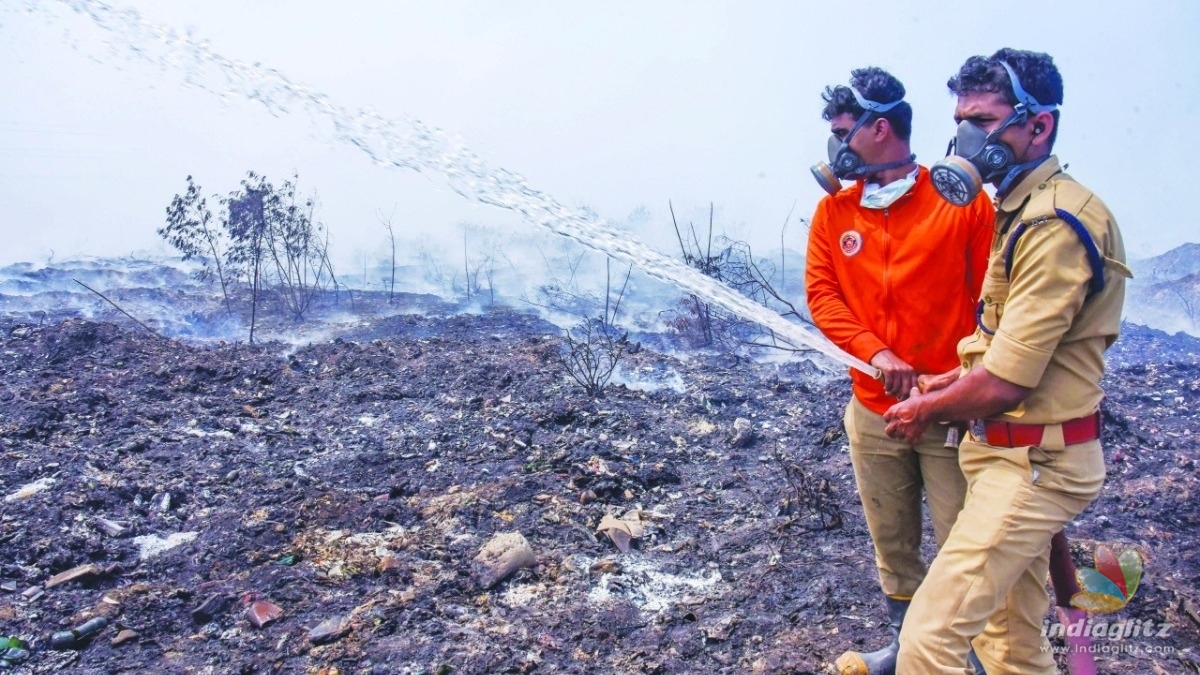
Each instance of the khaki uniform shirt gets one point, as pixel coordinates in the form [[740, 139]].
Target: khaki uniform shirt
[[1049, 335]]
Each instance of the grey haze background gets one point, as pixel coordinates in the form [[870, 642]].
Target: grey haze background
[[617, 106]]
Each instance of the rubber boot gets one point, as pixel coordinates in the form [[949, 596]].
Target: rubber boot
[[883, 661]]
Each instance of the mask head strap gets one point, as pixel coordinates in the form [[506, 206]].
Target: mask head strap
[[873, 106], [1025, 100], [869, 108]]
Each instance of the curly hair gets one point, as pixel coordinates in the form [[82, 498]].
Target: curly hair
[[873, 84], [1037, 72]]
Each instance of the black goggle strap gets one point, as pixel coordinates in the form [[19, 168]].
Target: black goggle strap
[[1025, 100], [874, 106], [1017, 116], [862, 119], [869, 108]]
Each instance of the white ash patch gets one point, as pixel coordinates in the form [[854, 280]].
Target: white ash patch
[[650, 589], [150, 545], [33, 488]]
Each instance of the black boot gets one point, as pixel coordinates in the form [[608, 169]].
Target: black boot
[[883, 661]]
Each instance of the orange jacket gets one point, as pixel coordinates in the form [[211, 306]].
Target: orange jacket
[[904, 278]]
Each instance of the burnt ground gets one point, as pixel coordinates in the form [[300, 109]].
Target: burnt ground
[[169, 487]]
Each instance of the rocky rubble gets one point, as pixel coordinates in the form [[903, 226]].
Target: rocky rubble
[[431, 494]]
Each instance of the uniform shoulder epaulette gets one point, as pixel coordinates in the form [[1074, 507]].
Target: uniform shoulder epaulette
[[1049, 197], [1060, 199]]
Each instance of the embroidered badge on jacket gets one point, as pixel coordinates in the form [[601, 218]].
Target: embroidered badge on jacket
[[850, 242]]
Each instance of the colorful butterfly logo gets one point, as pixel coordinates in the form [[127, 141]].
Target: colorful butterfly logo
[[1111, 584]]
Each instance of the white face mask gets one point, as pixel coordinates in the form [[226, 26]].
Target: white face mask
[[876, 197]]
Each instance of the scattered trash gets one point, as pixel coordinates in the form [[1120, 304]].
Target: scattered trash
[[212, 607], [743, 433], [329, 630], [79, 636], [504, 554], [262, 612], [110, 527], [742, 543], [622, 531], [719, 629], [72, 574], [12, 651]]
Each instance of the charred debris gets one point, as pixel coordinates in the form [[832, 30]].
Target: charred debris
[[430, 493]]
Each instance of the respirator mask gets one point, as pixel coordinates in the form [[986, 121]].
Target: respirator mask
[[976, 156], [844, 163]]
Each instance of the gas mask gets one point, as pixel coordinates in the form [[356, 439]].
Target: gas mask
[[844, 163], [976, 156]]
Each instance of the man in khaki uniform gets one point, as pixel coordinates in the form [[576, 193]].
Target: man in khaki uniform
[[1030, 375]]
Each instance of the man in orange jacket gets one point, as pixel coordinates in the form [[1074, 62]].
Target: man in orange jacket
[[893, 278]]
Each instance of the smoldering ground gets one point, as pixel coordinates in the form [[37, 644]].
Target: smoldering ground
[[324, 506]]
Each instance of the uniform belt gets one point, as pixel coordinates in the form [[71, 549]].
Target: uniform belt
[[1012, 435]]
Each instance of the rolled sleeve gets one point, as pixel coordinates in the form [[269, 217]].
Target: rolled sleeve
[[1048, 287], [1014, 361]]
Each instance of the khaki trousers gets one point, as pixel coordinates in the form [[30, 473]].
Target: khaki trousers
[[890, 475], [989, 578]]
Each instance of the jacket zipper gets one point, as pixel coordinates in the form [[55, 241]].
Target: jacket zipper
[[887, 278]]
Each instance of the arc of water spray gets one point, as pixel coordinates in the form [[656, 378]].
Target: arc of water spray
[[413, 145]]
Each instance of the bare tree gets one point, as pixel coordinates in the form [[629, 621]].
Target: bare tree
[[1189, 307], [297, 243], [594, 346], [194, 232], [732, 263], [387, 222], [247, 225]]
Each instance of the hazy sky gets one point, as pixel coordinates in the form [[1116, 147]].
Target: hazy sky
[[616, 106]]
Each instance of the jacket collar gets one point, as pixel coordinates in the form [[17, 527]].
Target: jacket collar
[[1020, 192], [855, 191]]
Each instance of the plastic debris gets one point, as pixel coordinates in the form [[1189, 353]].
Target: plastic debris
[[79, 636], [261, 612], [72, 574], [12, 650], [503, 554]]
